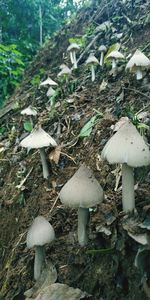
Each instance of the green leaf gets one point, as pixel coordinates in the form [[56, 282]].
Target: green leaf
[[87, 128], [114, 47], [28, 126]]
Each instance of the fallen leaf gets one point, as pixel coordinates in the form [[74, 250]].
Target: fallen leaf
[[55, 154]]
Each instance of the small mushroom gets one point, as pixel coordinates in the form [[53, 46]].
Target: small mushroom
[[50, 92], [128, 148], [114, 56], [39, 139], [65, 72], [29, 111], [72, 49], [92, 61], [137, 63], [102, 50], [48, 81], [82, 191], [39, 234]]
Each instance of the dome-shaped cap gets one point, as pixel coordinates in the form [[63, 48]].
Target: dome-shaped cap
[[102, 48], [115, 54], [138, 60], [40, 233], [82, 190], [38, 138], [29, 111], [73, 47], [92, 60], [127, 146]]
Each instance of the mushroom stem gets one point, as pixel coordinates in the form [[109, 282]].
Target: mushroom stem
[[83, 218], [46, 173], [102, 59], [39, 261], [71, 57], [128, 198], [114, 65], [93, 72], [74, 60], [139, 74]]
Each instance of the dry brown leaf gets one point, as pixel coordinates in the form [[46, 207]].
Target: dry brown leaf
[[55, 154]]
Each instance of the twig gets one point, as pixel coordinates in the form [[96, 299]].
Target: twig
[[54, 204], [63, 153], [24, 180], [137, 91], [89, 46]]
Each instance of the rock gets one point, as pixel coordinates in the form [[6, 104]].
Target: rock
[[59, 291]]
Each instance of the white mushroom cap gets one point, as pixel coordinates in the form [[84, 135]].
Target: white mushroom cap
[[38, 138], [64, 70], [102, 48], [82, 190], [73, 47], [49, 81], [92, 60], [138, 60], [127, 146], [29, 111], [115, 55], [40, 233], [50, 92]]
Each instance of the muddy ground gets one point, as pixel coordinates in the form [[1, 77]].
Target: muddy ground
[[105, 268]]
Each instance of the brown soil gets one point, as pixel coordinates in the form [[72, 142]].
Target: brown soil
[[105, 268]]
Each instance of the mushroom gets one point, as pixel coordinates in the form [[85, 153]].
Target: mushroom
[[92, 61], [29, 111], [128, 148], [72, 49], [114, 56], [48, 81], [65, 71], [137, 63], [102, 50], [40, 233], [82, 191], [50, 92], [39, 139]]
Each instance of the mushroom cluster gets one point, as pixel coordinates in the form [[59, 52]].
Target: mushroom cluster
[[83, 191]]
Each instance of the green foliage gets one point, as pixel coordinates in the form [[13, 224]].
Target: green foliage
[[87, 128], [89, 30], [28, 126], [80, 41], [37, 78], [2, 130], [11, 69], [53, 99]]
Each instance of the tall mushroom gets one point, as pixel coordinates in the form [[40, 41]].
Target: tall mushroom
[[40, 233], [102, 50], [72, 49], [82, 191], [128, 148], [92, 61], [39, 139], [114, 56], [137, 63]]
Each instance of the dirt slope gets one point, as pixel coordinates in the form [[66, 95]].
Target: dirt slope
[[105, 268]]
